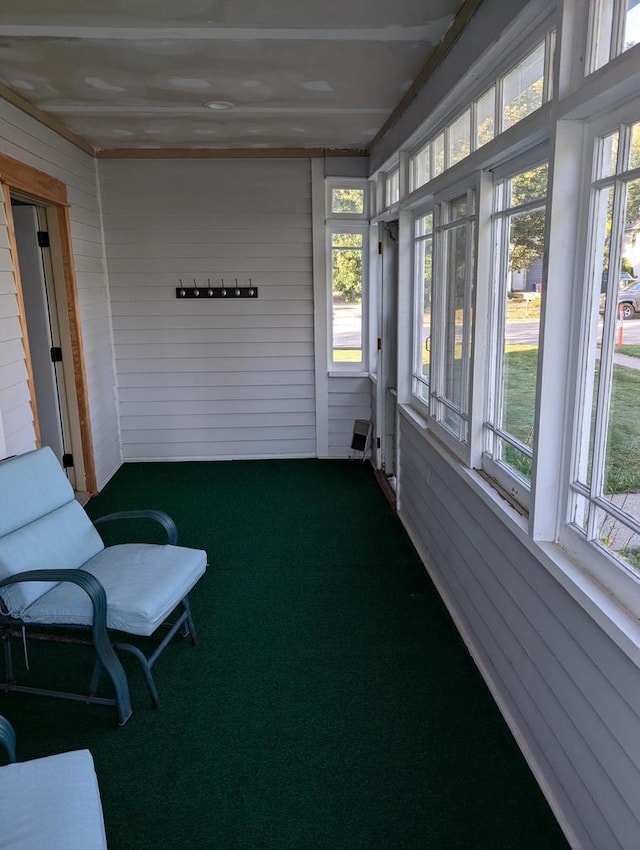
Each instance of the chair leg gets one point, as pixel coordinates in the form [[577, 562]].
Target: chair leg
[[8, 658], [146, 669], [189, 626], [108, 659]]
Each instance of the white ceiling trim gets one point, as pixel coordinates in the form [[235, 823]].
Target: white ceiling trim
[[68, 107], [430, 32]]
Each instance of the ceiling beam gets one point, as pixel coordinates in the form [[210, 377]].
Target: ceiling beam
[[462, 18], [225, 153]]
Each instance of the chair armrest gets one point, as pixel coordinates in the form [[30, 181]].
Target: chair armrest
[[89, 583], [8, 738], [101, 643], [159, 516]]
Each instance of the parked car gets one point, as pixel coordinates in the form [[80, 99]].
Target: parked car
[[629, 299]]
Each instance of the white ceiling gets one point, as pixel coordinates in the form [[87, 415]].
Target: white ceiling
[[139, 73]]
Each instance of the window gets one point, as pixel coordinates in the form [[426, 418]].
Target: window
[[522, 88], [519, 240], [459, 138], [347, 201], [347, 247], [605, 508], [423, 293], [521, 91], [420, 167], [445, 279], [615, 27], [392, 187], [485, 117], [347, 255], [437, 155]]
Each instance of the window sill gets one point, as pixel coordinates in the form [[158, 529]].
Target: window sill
[[349, 374]]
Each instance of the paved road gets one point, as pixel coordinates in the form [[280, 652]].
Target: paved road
[[347, 319]]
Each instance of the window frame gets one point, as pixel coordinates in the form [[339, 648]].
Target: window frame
[[362, 228], [543, 35], [392, 187], [611, 572], [506, 477], [347, 223], [417, 377], [361, 183], [435, 411], [614, 46]]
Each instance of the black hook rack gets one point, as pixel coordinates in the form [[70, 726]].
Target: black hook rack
[[230, 292]]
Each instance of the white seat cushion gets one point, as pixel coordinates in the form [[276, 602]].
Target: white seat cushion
[[51, 803], [144, 582]]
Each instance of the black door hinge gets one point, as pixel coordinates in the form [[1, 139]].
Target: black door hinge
[[43, 239], [67, 461], [56, 354], [379, 247]]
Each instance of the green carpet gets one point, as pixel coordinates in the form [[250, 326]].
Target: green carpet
[[330, 703]]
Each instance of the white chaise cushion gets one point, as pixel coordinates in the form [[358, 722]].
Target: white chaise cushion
[[144, 582], [32, 485], [51, 803], [61, 540]]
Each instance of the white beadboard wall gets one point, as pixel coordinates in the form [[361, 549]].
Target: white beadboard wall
[[572, 695], [349, 399], [25, 139], [211, 379]]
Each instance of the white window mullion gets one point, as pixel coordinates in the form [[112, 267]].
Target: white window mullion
[[617, 28], [467, 310], [549, 52], [482, 331], [499, 123], [498, 312], [601, 425], [437, 314]]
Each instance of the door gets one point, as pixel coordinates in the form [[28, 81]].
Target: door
[[43, 329], [388, 363]]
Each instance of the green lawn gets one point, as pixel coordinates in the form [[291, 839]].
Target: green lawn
[[623, 449], [629, 350]]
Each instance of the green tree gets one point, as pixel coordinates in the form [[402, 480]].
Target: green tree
[[347, 201], [527, 229], [346, 265]]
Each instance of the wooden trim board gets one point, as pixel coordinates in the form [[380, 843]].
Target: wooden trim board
[[46, 190]]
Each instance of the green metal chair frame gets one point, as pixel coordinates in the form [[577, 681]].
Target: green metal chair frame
[[107, 658]]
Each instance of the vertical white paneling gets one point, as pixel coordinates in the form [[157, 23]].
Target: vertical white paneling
[[349, 399], [28, 141], [251, 360], [569, 693]]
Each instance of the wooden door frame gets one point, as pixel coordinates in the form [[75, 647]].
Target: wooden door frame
[[46, 191]]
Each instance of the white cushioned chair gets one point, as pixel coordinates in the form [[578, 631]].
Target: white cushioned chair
[[51, 802], [55, 571]]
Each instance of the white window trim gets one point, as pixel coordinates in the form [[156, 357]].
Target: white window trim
[[333, 226], [461, 448], [416, 325], [347, 183], [543, 33], [508, 479], [616, 578]]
